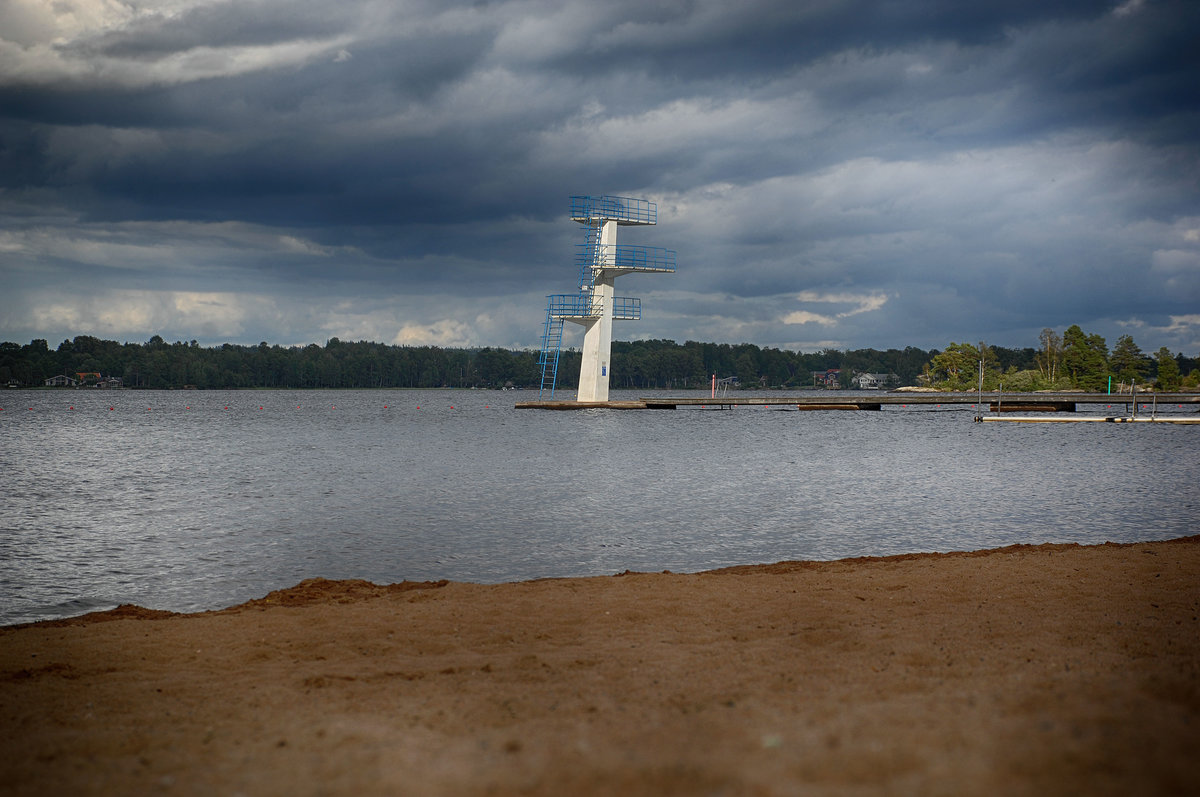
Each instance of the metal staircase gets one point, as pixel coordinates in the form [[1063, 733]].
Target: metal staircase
[[552, 332]]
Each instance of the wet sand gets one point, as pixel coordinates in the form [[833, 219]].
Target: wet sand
[[1052, 669]]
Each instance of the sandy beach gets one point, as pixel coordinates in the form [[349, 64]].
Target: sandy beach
[[1051, 669]]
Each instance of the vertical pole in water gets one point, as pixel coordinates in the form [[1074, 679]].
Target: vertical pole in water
[[714, 386], [979, 415], [1110, 385]]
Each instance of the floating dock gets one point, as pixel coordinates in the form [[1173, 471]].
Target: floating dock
[[1090, 419]]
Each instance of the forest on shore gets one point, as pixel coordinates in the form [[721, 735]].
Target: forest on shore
[[1071, 360]]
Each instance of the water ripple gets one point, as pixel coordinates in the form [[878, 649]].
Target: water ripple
[[208, 500]]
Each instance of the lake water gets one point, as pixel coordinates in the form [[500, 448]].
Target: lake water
[[199, 500]]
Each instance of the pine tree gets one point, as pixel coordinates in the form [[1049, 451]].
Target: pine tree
[[1085, 358], [1168, 370], [1127, 362]]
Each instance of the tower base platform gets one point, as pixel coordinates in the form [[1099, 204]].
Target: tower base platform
[[583, 405]]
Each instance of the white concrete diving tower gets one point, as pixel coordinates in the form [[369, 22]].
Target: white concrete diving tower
[[600, 260]]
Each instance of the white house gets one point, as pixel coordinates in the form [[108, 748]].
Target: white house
[[871, 381]]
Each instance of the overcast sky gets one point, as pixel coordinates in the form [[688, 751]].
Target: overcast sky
[[832, 173]]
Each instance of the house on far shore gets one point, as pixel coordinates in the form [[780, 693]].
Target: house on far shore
[[61, 381], [828, 379], [873, 381]]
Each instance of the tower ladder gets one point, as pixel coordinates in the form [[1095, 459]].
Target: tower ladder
[[552, 331]]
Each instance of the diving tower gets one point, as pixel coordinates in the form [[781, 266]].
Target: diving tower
[[595, 306]]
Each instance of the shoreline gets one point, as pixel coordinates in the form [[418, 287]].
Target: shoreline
[[317, 589], [1056, 668]]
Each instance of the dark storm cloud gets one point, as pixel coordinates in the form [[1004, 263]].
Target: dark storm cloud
[[848, 173]]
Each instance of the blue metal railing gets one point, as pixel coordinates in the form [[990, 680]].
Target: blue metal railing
[[629, 258], [627, 308], [579, 305], [646, 258], [621, 209], [573, 305]]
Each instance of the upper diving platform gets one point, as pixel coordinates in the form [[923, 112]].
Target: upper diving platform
[[621, 209]]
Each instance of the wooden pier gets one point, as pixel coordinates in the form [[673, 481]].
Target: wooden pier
[[998, 403]]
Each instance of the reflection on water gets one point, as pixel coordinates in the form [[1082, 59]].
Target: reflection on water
[[197, 500]]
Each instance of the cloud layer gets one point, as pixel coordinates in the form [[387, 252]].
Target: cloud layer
[[848, 174]]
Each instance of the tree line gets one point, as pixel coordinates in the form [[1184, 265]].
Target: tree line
[[1074, 360], [652, 364]]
